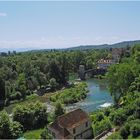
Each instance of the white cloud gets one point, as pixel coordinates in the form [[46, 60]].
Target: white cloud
[[3, 14]]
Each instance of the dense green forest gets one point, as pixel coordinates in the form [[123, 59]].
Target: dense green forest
[[24, 74]]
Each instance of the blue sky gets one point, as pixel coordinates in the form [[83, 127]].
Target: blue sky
[[66, 24]]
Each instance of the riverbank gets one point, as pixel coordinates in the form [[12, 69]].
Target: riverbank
[[71, 95], [97, 97], [45, 98], [29, 99]]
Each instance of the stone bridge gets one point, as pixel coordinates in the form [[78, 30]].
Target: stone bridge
[[92, 72]]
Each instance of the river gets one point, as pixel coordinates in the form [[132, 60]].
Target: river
[[97, 97]]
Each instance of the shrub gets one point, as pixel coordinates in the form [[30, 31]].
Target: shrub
[[31, 116], [72, 95], [135, 130], [45, 134], [125, 131], [107, 112], [18, 95], [99, 116], [9, 129], [119, 117], [115, 136], [101, 126], [16, 130], [59, 110], [130, 118]]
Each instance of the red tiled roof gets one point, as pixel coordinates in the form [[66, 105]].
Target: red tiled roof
[[62, 131], [73, 118], [69, 120], [105, 61]]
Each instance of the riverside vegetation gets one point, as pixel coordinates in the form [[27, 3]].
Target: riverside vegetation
[[21, 74], [124, 85], [71, 95]]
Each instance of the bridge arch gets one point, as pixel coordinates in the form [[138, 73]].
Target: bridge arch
[[96, 71]]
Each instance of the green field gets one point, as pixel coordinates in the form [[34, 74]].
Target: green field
[[33, 134]]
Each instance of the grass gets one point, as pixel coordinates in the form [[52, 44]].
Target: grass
[[29, 99], [114, 136], [33, 134], [71, 95]]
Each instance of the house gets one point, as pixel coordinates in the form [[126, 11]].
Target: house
[[104, 63], [73, 125]]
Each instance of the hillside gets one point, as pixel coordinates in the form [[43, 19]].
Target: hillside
[[81, 47], [105, 46]]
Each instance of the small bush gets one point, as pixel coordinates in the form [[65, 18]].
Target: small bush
[[135, 130], [115, 136], [125, 131]]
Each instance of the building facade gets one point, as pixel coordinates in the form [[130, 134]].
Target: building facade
[[104, 64], [73, 125]]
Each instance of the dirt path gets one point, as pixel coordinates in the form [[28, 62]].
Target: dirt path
[[105, 136]]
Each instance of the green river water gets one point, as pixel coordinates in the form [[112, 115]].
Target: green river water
[[97, 97]]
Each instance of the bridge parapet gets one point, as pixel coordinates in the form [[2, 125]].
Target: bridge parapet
[[96, 71]]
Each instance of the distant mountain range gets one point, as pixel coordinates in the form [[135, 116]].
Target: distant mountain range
[[105, 46], [82, 47]]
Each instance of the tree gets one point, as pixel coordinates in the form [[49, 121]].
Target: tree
[[54, 71], [135, 86], [135, 130], [21, 82], [8, 128], [99, 116], [137, 57], [14, 75], [32, 83], [118, 117], [45, 134], [14, 67], [101, 126], [2, 92], [63, 61], [4, 125], [120, 78], [16, 130], [135, 49], [125, 131], [53, 83], [41, 78], [137, 109], [59, 110], [31, 116]]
